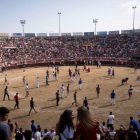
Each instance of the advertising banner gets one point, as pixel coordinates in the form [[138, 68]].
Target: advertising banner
[[88, 33], [53, 34], [65, 34], [126, 31], [77, 33], [88, 44], [102, 33], [41, 34], [16, 34], [113, 32], [4, 34], [29, 34], [137, 31]]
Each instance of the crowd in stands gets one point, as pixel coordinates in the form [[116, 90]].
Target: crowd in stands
[[86, 128], [116, 46]]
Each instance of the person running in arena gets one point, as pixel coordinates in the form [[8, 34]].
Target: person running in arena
[[113, 96], [84, 67], [47, 73], [32, 106], [47, 80], [27, 90], [6, 81], [73, 77], [6, 93], [57, 98], [130, 90], [17, 101], [24, 80], [136, 69], [57, 69], [76, 71], [75, 99], [69, 72], [80, 84], [62, 91], [37, 82], [68, 90], [113, 74], [98, 91], [53, 76], [79, 72]]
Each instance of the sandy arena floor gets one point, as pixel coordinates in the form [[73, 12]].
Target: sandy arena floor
[[44, 97]]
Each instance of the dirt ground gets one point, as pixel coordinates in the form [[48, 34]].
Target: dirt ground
[[45, 98]]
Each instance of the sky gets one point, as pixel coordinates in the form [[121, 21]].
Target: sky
[[76, 15]]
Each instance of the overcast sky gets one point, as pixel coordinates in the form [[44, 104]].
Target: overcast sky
[[76, 15]]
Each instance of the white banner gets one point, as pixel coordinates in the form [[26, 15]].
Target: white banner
[[41, 34], [77, 33], [53, 34], [65, 34]]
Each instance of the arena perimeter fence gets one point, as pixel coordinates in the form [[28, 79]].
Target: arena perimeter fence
[[69, 62]]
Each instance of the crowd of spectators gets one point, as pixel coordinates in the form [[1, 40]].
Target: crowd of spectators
[[86, 128], [116, 46]]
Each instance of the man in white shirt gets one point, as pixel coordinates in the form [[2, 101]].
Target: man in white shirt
[[62, 91], [110, 120], [37, 82], [37, 135], [27, 90], [130, 90]]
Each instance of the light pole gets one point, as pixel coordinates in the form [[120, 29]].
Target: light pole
[[59, 23], [133, 17], [95, 21], [22, 22]]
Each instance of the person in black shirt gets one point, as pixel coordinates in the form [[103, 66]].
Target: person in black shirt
[[98, 91], [57, 98], [6, 93], [67, 90], [47, 73], [75, 100], [32, 106], [85, 102], [69, 71]]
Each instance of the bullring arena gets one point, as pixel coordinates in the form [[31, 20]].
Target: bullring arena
[[45, 98]]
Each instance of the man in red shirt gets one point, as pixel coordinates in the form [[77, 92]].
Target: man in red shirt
[[16, 100]]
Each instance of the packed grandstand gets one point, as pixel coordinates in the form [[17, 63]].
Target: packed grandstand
[[52, 49], [112, 46]]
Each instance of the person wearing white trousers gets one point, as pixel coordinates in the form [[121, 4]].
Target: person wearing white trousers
[[62, 91], [113, 96], [37, 82], [80, 84], [53, 76]]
